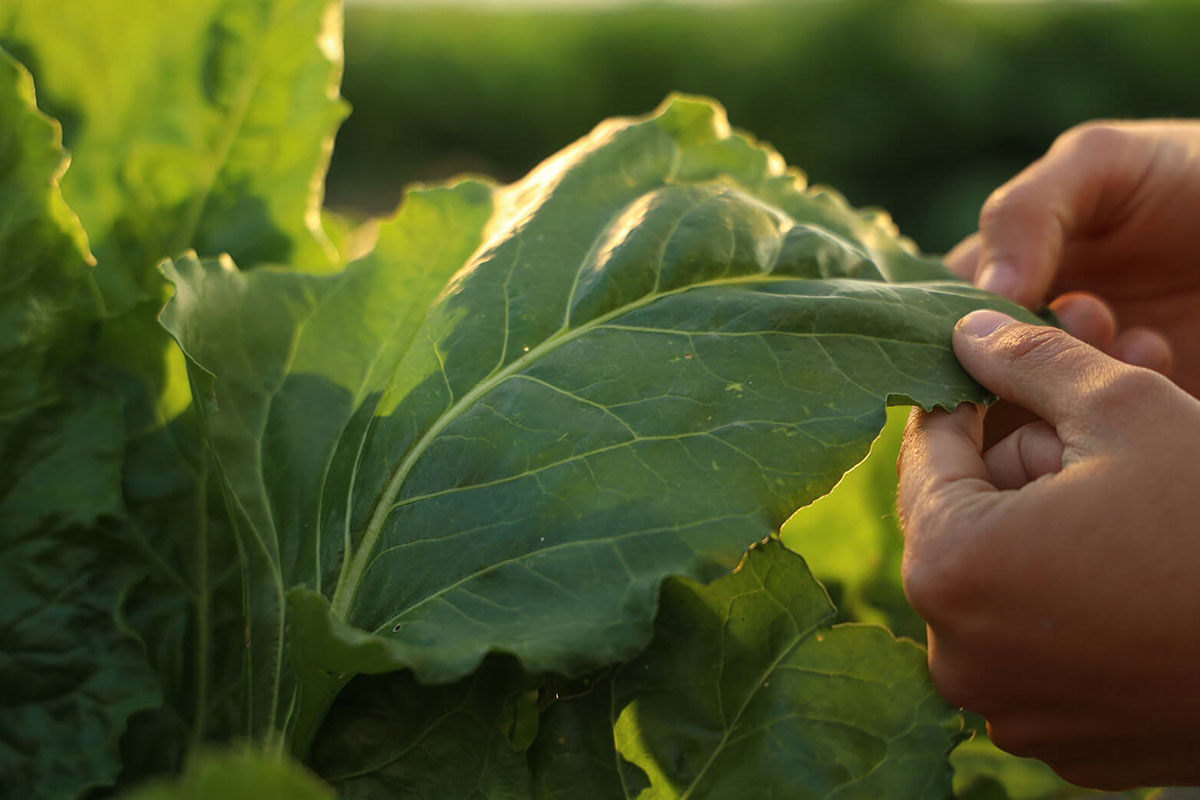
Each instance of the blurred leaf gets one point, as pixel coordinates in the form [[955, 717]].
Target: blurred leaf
[[983, 771], [71, 673], [922, 107], [353, 235], [746, 692], [202, 124], [237, 775], [47, 299]]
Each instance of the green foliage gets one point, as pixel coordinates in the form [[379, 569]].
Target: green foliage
[[237, 775], [173, 113], [746, 691], [920, 106], [73, 674], [438, 520], [521, 472]]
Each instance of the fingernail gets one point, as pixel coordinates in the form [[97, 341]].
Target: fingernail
[[998, 279], [983, 322]]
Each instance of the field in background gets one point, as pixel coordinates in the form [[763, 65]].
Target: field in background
[[920, 106]]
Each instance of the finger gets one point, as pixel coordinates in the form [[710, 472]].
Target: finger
[[1143, 347], [963, 260], [1072, 191], [1086, 317], [1042, 369], [943, 484], [1025, 455], [940, 449]]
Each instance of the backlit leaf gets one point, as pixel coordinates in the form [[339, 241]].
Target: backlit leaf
[[237, 775], [71, 673], [747, 692], [204, 124]]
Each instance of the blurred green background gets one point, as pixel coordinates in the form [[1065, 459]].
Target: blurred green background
[[919, 106]]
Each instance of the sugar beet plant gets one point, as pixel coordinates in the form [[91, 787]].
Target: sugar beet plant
[[488, 509]]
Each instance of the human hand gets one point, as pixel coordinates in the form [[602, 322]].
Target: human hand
[[1107, 226], [1058, 571]]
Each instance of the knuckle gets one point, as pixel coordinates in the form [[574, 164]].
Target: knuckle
[[1036, 347], [1120, 391], [1096, 136], [1002, 204]]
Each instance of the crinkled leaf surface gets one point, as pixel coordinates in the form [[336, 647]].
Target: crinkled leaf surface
[[237, 775], [71, 674], [662, 347], [389, 737], [746, 692], [203, 124]]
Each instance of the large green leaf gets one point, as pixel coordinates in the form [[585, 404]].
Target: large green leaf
[[664, 345], [746, 692], [237, 775], [72, 675], [203, 124]]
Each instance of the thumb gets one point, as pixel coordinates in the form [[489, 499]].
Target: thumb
[[1086, 177], [1042, 369]]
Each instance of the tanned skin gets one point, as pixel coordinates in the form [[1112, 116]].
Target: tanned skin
[[1056, 555]]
